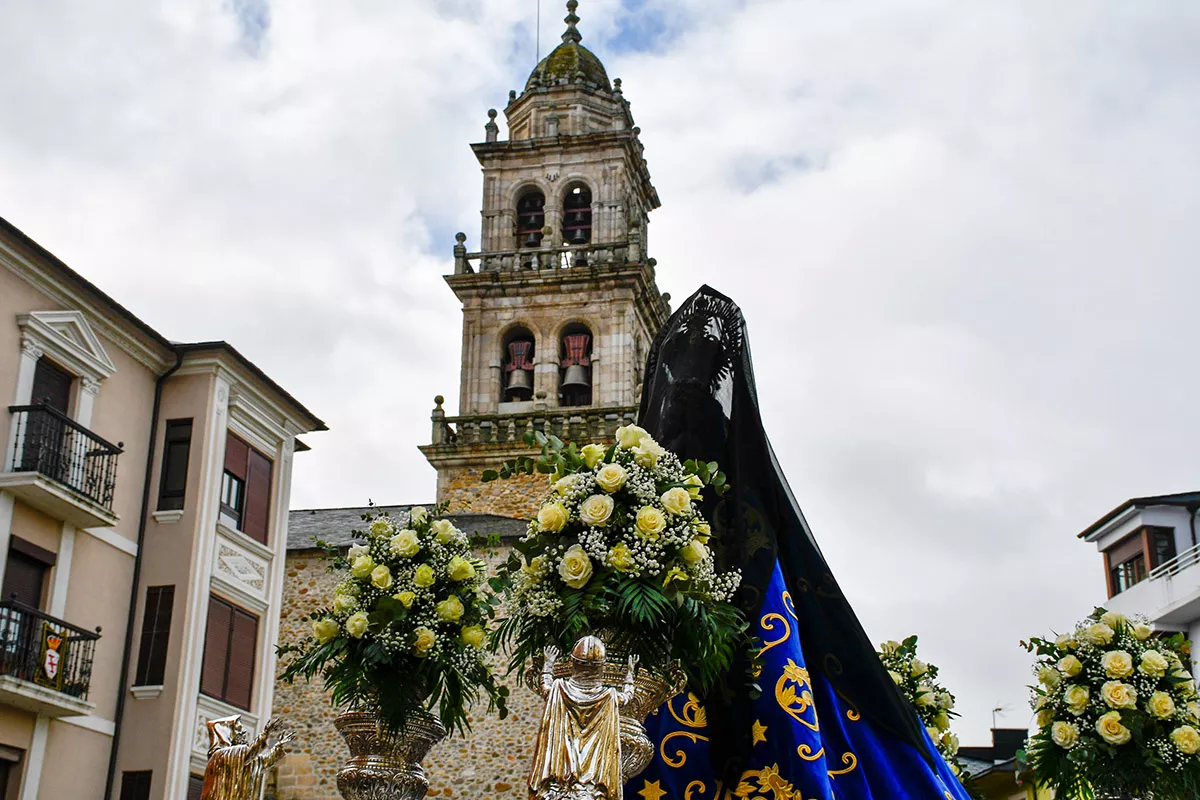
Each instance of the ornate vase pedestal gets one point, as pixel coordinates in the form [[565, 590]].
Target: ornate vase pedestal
[[383, 765]]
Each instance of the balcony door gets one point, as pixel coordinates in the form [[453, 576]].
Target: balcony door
[[44, 445], [51, 385]]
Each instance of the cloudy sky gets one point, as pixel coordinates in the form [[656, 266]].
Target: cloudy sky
[[965, 236]]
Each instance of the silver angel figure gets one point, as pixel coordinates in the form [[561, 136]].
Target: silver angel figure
[[577, 754], [235, 769]]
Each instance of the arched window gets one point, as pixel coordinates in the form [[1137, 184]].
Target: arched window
[[575, 359], [577, 215], [516, 378], [531, 218]]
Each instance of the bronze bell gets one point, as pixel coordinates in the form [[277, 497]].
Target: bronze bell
[[576, 376], [520, 385], [579, 236]]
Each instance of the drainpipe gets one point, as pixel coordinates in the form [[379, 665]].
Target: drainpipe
[[1193, 523], [137, 574]]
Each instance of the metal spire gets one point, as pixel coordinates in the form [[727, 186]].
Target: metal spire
[[572, 34]]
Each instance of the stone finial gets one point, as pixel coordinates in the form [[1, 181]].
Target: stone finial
[[617, 87], [437, 401], [572, 34], [491, 128], [512, 96], [461, 265]]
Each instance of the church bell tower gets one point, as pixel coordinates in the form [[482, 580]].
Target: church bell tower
[[559, 301]]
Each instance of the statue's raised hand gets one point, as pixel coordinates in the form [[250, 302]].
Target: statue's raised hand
[[633, 662], [551, 655]]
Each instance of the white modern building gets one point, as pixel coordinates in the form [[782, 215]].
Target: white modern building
[[1152, 559]]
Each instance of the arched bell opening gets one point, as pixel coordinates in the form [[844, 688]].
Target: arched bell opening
[[531, 218], [517, 372], [577, 214], [575, 372]]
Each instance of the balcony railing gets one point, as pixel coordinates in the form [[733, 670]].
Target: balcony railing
[[573, 424], [48, 652], [52, 444], [1179, 563], [546, 257]]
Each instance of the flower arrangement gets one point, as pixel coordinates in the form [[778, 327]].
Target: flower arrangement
[[619, 545], [1117, 711], [918, 683], [405, 630]]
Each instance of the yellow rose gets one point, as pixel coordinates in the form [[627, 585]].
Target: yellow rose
[[1118, 664], [1185, 684], [896, 679], [703, 531], [424, 640], [676, 501], [1070, 666], [675, 575], [1161, 705], [417, 515], [611, 477], [381, 578], [1076, 699], [1049, 677], [1187, 739], [1098, 634], [552, 517], [694, 486], [592, 454], [444, 531], [945, 700], [949, 742], [942, 720], [1153, 664], [575, 568], [620, 558], [381, 527], [1118, 695], [926, 697], [1142, 631], [1193, 711], [650, 522], [355, 551], [889, 647], [693, 552], [629, 436], [473, 636], [918, 668], [1113, 619], [564, 485], [1065, 641], [535, 568], [343, 603], [934, 733], [423, 576], [460, 569], [1065, 734], [362, 567], [356, 624], [647, 453], [596, 510], [1111, 730], [405, 598], [405, 543], [449, 610], [1045, 717], [325, 629]]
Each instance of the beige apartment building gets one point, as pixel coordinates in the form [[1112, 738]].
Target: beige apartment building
[[143, 529]]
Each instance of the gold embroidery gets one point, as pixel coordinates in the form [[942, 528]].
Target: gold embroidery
[[652, 790], [807, 754], [772, 618], [851, 763], [787, 604], [692, 714], [793, 697], [680, 757], [852, 712], [759, 732], [700, 786]]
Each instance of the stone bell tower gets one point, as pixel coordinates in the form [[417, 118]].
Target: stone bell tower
[[559, 302]]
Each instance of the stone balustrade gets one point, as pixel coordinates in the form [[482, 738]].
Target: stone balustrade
[[569, 424], [545, 257]]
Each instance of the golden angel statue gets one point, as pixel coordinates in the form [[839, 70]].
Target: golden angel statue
[[236, 769], [577, 755]]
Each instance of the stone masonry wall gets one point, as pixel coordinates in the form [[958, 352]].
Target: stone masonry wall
[[518, 497], [491, 762]]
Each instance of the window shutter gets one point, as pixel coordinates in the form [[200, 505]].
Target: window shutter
[[24, 578], [241, 659], [51, 385], [195, 787], [1125, 549], [156, 631], [216, 648], [235, 455], [256, 519]]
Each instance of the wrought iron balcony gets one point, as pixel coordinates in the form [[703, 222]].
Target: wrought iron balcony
[[45, 663], [46, 444]]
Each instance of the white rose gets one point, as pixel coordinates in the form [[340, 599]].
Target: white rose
[[926, 697], [942, 720], [1065, 641], [1045, 717], [356, 551], [1076, 699], [676, 501], [896, 679], [919, 668], [444, 531], [693, 552], [650, 522], [325, 629], [889, 647], [945, 700], [1098, 634], [629, 436], [1064, 734], [611, 477], [950, 742], [344, 603], [575, 568], [356, 624], [1153, 664], [1113, 619], [1142, 632], [1161, 705], [1070, 666], [1118, 695], [596, 510], [382, 526], [417, 515], [1185, 683], [362, 567], [647, 453], [1049, 677], [1111, 730], [381, 578], [424, 640], [552, 517], [473, 636], [460, 569], [1187, 739], [592, 454], [449, 610], [564, 485], [1117, 664], [405, 543]]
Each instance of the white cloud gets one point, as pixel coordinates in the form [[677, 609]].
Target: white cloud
[[963, 236]]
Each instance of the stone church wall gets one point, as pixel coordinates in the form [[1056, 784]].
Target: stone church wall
[[518, 497], [490, 762]]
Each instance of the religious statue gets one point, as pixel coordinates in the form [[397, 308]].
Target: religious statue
[[577, 755], [236, 769]]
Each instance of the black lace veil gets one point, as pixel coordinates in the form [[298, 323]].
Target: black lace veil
[[699, 400]]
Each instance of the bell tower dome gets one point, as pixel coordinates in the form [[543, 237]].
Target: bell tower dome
[[559, 301]]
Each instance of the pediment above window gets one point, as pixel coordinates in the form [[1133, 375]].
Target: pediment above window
[[68, 339]]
